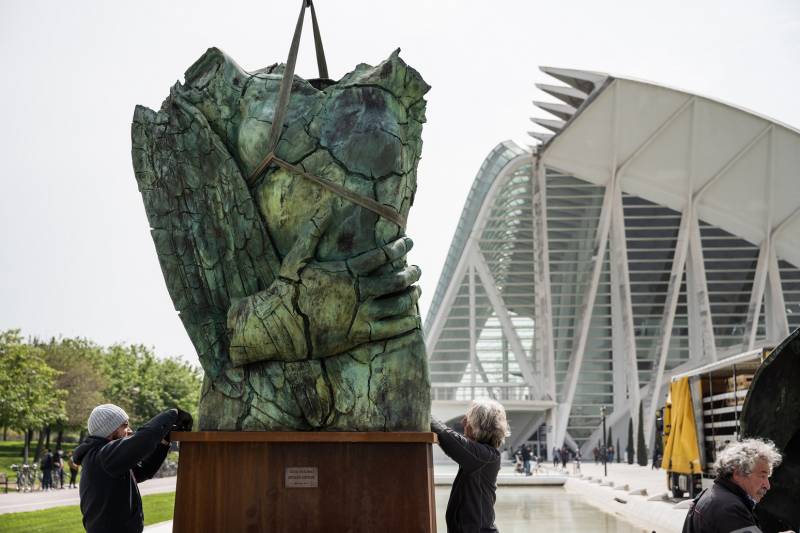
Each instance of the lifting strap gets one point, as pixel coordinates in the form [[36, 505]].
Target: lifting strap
[[280, 114]]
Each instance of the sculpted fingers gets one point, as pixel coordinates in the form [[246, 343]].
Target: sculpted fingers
[[395, 305], [398, 248], [374, 259], [377, 286], [392, 327]]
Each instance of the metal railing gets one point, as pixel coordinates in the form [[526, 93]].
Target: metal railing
[[497, 391]]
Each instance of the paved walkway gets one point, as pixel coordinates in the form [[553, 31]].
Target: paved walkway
[[637, 477], [163, 527], [614, 499], [632, 492], [17, 502]]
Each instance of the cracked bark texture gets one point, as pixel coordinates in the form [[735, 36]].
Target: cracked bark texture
[[300, 304]]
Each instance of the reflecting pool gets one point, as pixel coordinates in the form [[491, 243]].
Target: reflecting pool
[[547, 509]]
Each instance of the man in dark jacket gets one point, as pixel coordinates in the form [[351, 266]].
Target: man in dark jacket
[[47, 469], [114, 459], [526, 459], [743, 471], [470, 508]]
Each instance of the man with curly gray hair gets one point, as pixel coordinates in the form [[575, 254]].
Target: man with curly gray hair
[[471, 504], [743, 470]]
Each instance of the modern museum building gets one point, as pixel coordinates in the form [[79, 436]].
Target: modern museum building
[[650, 232]]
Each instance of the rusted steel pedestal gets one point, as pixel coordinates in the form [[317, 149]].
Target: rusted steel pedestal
[[300, 481]]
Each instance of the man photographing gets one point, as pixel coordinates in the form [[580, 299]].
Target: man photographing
[[114, 459]]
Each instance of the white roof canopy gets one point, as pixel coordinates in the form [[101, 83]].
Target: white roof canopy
[[667, 145]]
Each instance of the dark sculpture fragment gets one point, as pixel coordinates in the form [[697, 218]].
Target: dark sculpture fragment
[[298, 300], [772, 411]]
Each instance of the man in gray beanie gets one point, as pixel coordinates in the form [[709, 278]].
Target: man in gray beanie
[[114, 459]]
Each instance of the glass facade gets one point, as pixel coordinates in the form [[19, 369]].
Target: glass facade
[[494, 253]]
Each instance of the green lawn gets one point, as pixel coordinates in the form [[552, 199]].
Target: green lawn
[[10, 453], [67, 519]]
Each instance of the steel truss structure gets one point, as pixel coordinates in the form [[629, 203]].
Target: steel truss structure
[[650, 232]]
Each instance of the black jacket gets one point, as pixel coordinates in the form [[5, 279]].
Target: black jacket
[[526, 453], [47, 461], [724, 508], [110, 500], [471, 505]]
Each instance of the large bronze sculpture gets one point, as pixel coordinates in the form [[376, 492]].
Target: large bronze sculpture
[[289, 274]]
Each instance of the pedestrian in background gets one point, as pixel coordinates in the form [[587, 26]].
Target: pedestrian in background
[[576, 465], [73, 471], [46, 464], [58, 470], [526, 459]]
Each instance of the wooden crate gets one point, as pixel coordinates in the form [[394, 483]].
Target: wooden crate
[[740, 382]]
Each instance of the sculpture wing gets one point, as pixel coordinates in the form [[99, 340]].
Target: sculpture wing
[[209, 237]]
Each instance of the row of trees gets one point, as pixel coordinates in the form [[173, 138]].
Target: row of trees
[[638, 453], [50, 387]]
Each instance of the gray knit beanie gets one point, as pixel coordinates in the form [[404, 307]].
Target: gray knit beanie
[[105, 419]]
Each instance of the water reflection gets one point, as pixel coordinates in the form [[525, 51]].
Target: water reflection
[[550, 509]]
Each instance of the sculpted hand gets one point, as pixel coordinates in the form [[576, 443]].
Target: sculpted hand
[[353, 302], [321, 308]]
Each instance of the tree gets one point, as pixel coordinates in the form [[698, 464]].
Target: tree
[[29, 398], [180, 384], [641, 446], [81, 377], [145, 385], [53, 386], [629, 448]]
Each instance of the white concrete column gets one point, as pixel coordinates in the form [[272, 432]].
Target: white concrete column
[[473, 337], [621, 285], [668, 320], [702, 344], [544, 305], [480, 267]]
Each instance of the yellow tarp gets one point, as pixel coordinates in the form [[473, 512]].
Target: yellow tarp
[[680, 452]]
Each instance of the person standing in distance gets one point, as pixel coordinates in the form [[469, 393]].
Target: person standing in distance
[[526, 459], [46, 464], [471, 505], [114, 459], [73, 471]]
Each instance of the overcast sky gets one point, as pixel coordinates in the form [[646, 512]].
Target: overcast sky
[[76, 257]]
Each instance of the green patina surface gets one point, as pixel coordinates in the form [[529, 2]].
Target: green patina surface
[[300, 303]]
